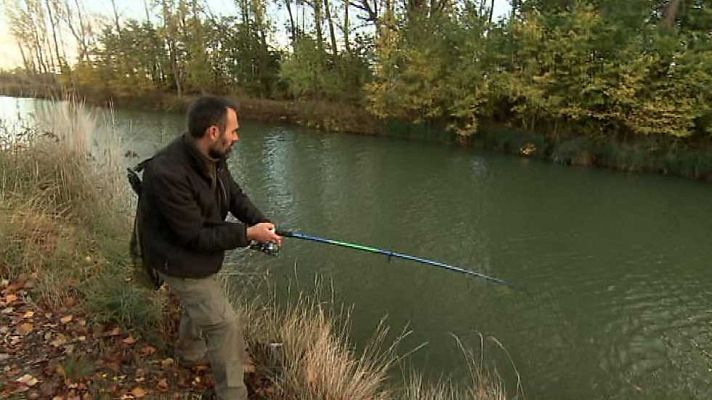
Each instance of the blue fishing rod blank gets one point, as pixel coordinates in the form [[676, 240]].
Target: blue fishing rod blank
[[389, 254]]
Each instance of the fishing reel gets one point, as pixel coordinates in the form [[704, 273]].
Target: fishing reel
[[269, 248]]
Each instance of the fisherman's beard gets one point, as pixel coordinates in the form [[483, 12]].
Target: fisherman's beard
[[220, 150]]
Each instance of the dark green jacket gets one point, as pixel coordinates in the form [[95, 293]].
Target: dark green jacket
[[182, 210]]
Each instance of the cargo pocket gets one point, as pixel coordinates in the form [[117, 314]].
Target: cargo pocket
[[205, 302]]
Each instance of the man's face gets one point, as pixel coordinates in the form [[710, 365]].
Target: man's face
[[223, 141]]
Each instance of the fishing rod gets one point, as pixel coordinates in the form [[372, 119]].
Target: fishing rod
[[273, 249]]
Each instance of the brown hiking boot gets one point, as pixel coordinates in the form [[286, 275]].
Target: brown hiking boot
[[209, 395], [190, 364]]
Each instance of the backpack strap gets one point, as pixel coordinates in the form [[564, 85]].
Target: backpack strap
[[134, 179], [135, 244]]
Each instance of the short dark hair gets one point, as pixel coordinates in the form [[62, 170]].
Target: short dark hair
[[206, 112]]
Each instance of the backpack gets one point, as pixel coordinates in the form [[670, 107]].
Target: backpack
[[142, 271]]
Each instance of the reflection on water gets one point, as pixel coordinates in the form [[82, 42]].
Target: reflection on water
[[615, 299]]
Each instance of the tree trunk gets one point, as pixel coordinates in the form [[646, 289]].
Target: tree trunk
[[83, 25], [62, 45], [28, 67], [116, 18], [197, 24], [670, 13], [41, 65], [491, 12], [176, 71], [168, 23], [334, 50], [53, 61], [40, 28], [317, 24], [148, 15], [292, 27], [245, 11], [371, 10], [80, 35], [54, 34], [347, 28], [156, 77]]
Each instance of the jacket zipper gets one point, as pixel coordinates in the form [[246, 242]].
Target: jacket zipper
[[222, 187]]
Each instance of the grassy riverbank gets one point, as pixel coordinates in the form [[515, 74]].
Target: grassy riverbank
[[76, 321], [690, 158]]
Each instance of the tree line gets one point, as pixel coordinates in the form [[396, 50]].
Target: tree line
[[594, 67]]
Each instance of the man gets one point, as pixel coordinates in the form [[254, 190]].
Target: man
[[186, 194]]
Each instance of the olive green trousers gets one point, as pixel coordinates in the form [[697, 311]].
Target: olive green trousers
[[209, 327]]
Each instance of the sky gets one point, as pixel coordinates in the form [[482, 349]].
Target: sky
[[10, 53]]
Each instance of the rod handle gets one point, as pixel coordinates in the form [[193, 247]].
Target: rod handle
[[284, 232]]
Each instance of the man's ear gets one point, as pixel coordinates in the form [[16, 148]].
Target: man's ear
[[213, 132]]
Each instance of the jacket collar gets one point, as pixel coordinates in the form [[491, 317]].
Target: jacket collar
[[198, 160]]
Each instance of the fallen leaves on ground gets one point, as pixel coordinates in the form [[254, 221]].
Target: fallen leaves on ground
[[57, 354]]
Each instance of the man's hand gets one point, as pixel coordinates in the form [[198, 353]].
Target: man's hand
[[263, 232]]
